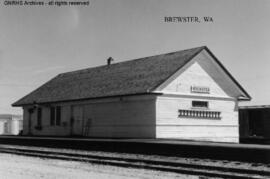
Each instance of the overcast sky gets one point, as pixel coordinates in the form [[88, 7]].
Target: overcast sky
[[39, 42]]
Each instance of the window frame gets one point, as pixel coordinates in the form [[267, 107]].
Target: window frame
[[58, 115], [200, 106], [52, 116], [55, 115], [39, 116]]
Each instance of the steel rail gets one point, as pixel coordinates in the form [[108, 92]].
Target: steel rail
[[161, 165]]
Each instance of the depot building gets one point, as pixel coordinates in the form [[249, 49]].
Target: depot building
[[186, 94]]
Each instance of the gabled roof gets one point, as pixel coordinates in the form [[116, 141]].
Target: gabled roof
[[139, 76]]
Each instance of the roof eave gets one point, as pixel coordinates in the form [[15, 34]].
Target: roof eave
[[244, 99], [247, 96], [71, 100]]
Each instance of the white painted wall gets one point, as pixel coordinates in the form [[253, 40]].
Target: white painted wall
[[201, 71], [169, 125], [195, 75], [128, 117], [47, 129]]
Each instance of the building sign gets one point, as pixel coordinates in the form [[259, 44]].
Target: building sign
[[199, 89]]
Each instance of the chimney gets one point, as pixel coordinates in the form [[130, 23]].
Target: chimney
[[109, 61]]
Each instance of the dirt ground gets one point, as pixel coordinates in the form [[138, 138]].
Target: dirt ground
[[15, 166]]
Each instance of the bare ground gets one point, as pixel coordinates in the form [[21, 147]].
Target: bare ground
[[15, 166]]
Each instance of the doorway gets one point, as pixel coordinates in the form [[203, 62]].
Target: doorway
[[256, 125], [77, 120]]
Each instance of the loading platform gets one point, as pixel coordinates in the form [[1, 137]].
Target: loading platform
[[210, 150]]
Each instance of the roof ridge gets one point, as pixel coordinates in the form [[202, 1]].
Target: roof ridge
[[190, 58], [127, 61]]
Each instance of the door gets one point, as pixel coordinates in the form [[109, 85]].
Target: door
[[77, 120], [88, 115], [256, 125]]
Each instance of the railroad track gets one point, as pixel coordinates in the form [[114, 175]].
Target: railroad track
[[153, 164]]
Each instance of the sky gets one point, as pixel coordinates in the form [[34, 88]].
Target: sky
[[39, 42]]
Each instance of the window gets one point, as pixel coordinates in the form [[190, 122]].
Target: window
[[39, 116], [56, 116], [200, 104], [52, 116]]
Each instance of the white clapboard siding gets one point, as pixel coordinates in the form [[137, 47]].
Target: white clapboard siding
[[167, 112], [170, 125], [202, 71], [195, 75], [128, 119], [206, 133], [47, 129]]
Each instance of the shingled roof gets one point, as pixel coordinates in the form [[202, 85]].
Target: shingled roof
[[137, 76]]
